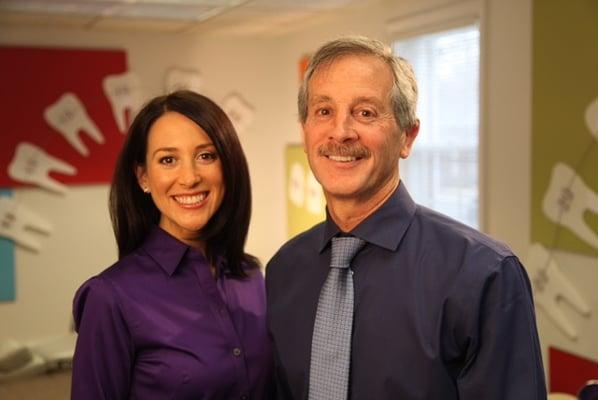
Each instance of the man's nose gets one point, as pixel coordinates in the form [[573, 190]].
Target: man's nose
[[344, 128]]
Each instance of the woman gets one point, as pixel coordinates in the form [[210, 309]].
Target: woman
[[181, 315]]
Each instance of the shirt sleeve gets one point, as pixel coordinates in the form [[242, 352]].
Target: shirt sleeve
[[103, 357], [505, 362]]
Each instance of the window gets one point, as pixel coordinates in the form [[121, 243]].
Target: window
[[442, 171]]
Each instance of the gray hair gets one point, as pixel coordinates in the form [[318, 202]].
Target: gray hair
[[404, 90]]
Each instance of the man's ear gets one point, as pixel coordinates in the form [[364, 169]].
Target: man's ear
[[141, 174], [407, 140]]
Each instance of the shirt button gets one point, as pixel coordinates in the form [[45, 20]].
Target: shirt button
[[236, 352]]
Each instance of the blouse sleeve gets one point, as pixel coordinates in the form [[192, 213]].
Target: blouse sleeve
[[506, 362], [104, 355]]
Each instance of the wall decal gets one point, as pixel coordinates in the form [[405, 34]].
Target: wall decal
[[564, 124], [17, 223], [32, 164], [68, 117], [33, 78], [180, 78], [306, 205], [239, 111], [567, 200], [551, 285], [124, 94]]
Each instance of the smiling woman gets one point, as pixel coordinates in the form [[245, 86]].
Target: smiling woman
[[181, 315], [183, 173]]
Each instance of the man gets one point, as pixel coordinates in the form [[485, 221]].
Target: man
[[437, 309]]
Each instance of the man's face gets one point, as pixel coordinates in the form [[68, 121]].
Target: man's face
[[351, 138]]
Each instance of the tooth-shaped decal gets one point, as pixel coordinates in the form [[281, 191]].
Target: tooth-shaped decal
[[123, 93], [177, 78], [17, 221], [314, 202], [31, 164], [566, 201], [239, 111], [591, 117], [550, 285], [68, 116], [297, 185]]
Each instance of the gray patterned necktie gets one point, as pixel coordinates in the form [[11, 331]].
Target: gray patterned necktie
[[331, 340]]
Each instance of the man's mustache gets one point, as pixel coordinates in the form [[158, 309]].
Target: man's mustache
[[344, 150]]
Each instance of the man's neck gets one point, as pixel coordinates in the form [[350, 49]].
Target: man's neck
[[348, 213]]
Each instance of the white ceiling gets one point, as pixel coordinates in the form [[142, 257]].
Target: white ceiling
[[228, 16]]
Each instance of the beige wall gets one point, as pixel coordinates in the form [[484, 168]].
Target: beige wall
[[264, 71]]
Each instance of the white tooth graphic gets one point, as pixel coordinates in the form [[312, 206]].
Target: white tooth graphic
[[297, 185], [591, 117], [123, 93], [177, 78], [550, 285], [566, 201], [31, 164], [314, 201], [68, 116], [16, 221], [239, 111]]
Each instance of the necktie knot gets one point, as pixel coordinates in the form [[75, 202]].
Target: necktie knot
[[344, 249]]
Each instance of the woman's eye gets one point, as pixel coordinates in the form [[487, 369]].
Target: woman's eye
[[207, 156], [168, 160]]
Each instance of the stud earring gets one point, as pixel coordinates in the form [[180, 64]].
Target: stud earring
[[146, 189]]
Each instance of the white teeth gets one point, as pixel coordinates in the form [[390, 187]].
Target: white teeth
[[123, 92], [187, 200], [550, 285], [68, 116], [567, 199], [16, 222], [177, 78], [342, 158], [591, 117], [31, 164], [239, 111]]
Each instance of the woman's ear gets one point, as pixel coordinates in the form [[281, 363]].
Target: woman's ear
[[142, 180]]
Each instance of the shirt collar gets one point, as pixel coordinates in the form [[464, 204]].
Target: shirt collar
[[165, 249], [385, 227]]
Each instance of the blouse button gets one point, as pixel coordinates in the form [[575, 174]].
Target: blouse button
[[236, 352], [244, 397]]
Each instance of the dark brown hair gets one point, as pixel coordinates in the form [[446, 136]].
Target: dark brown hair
[[133, 213]]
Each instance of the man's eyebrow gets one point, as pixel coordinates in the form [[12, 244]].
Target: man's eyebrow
[[320, 98], [367, 99]]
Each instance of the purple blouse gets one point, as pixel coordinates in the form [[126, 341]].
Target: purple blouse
[[157, 325]]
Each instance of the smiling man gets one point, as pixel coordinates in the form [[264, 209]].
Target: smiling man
[[387, 299]]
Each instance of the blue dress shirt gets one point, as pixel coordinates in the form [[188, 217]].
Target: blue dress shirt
[[442, 312], [157, 325]]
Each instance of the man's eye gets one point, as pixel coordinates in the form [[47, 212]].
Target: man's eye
[[366, 113], [323, 111]]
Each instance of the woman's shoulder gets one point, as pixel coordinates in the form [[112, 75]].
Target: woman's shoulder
[[103, 292]]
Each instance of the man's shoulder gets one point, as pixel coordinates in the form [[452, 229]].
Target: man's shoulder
[[304, 243], [449, 231]]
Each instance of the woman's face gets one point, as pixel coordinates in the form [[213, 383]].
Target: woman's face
[[183, 174]]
